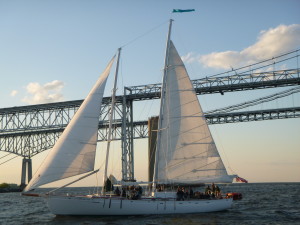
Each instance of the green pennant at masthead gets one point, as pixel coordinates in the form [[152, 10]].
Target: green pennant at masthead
[[182, 10]]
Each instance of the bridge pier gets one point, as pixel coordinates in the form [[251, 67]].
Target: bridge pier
[[26, 167]]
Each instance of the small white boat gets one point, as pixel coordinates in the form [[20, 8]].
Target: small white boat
[[186, 153]]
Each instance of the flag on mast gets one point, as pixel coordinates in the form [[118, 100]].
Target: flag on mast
[[182, 10], [239, 179]]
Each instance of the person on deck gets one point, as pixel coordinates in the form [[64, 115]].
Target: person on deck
[[213, 188], [191, 193], [123, 194], [179, 194], [140, 190], [218, 192], [186, 193], [117, 191], [207, 190]]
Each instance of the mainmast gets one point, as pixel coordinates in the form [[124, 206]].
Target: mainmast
[[162, 97], [112, 108]]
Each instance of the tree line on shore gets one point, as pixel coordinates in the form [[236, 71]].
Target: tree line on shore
[[5, 187]]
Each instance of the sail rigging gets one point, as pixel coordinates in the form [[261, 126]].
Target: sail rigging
[[74, 152]]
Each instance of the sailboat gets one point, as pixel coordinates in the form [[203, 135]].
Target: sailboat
[[186, 154]]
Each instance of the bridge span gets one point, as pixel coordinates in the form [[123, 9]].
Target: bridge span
[[29, 130]]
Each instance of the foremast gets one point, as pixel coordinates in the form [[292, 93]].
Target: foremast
[[112, 109]]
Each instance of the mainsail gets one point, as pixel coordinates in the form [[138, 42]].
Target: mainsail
[[74, 152], [186, 152]]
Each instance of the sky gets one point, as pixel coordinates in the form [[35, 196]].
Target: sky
[[54, 51]]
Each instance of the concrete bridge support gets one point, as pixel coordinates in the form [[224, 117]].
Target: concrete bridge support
[[26, 167]]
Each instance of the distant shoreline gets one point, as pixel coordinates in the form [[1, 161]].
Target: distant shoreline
[[7, 190]]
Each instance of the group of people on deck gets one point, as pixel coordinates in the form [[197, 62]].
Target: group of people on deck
[[130, 192], [210, 193], [213, 191], [183, 193]]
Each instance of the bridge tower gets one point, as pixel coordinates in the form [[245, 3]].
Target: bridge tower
[[127, 138], [26, 167]]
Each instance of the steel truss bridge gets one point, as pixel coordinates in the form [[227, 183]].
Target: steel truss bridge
[[28, 130]]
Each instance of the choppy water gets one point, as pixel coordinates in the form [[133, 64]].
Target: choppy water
[[263, 203]]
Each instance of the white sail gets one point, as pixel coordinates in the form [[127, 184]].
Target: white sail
[[186, 152], [74, 152]]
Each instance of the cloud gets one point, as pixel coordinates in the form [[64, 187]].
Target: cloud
[[13, 93], [190, 58], [270, 43], [49, 92]]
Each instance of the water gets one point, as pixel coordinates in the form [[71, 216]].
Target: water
[[263, 203]]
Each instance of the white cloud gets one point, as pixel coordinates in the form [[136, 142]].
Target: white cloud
[[270, 43], [13, 93], [224, 60], [190, 58], [49, 92]]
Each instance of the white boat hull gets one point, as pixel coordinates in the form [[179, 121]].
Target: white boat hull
[[115, 206]]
